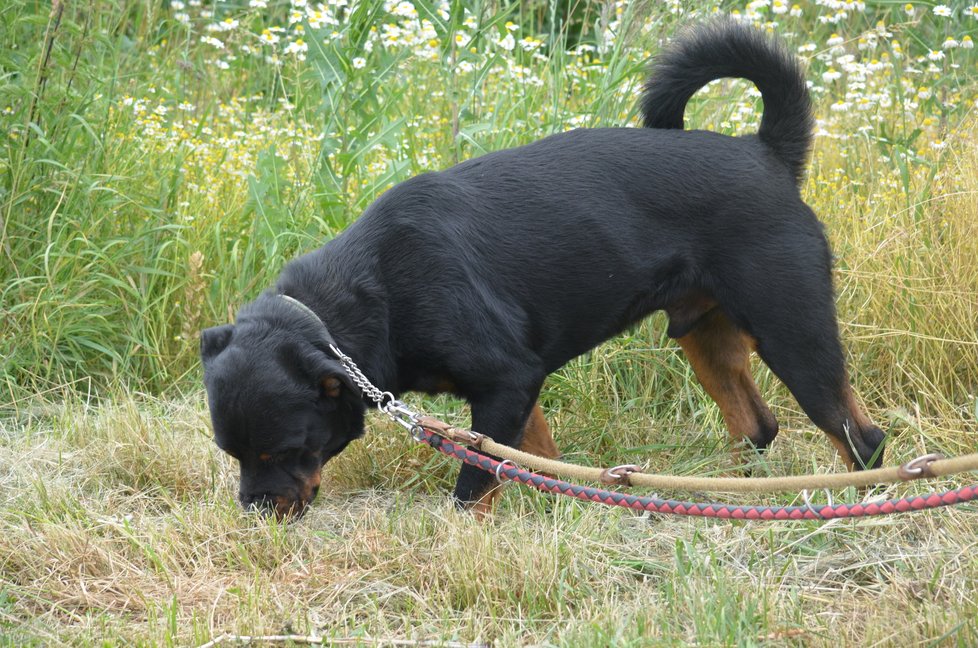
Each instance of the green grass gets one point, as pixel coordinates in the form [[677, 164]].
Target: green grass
[[152, 182]]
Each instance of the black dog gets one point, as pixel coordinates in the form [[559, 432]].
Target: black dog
[[483, 279]]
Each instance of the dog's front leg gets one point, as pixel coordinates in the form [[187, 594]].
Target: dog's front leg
[[502, 417]]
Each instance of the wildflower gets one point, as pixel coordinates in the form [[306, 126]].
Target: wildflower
[[210, 40], [924, 92], [835, 40], [507, 42], [831, 75], [840, 106], [908, 8], [299, 48], [950, 43], [779, 7], [268, 37], [228, 24], [935, 55], [972, 11], [809, 47], [967, 43], [943, 11], [795, 11]]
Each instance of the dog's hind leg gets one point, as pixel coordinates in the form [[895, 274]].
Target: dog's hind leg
[[719, 353], [792, 318], [538, 440]]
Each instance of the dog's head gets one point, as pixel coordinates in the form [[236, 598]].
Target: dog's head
[[280, 403]]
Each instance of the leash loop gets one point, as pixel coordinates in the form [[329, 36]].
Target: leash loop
[[919, 468], [619, 474]]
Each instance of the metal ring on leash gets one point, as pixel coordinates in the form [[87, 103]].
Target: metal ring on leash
[[919, 467], [619, 474], [808, 502], [500, 467]]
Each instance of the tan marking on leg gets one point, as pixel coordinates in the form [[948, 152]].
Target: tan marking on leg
[[537, 440], [844, 451], [485, 506], [858, 422], [719, 353]]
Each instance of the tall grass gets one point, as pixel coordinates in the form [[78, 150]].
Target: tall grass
[[141, 138]]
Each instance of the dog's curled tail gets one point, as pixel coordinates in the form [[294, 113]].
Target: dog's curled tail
[[724, 48]]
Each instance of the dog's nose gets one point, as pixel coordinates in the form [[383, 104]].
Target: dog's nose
[[263, 503], [283, 508]]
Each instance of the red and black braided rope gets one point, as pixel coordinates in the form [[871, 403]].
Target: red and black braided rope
[[676, 507]]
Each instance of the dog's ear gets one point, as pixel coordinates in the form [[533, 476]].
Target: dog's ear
[[331, 386], [214, 340], [336, 383]]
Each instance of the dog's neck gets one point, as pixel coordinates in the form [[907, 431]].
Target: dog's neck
[[311, 313], [361, 341]]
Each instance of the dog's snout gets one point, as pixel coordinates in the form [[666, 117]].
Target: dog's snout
[[267, 504], [259, 502]]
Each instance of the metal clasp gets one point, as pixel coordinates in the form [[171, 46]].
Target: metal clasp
[[404, 416]]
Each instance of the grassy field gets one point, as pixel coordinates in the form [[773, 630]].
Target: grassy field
[[161, 161]]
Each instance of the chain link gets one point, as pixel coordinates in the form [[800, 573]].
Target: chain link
[[395, 410]]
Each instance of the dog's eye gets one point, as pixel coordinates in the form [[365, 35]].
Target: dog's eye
[[279, 457]]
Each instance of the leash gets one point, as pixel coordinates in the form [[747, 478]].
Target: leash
[[654, 504], [447, 439], [929, 465], [437, 434]]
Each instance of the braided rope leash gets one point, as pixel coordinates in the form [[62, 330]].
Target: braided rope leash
[[653, 504], [931, 465]]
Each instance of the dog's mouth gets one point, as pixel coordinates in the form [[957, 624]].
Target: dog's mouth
[[291, 506]]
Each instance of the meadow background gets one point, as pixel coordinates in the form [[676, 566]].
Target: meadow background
[[160, 162]]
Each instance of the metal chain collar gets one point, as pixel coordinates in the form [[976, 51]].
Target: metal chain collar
[[395, 410]]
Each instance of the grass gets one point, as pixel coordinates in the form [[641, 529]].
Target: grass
[[152, 182]]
